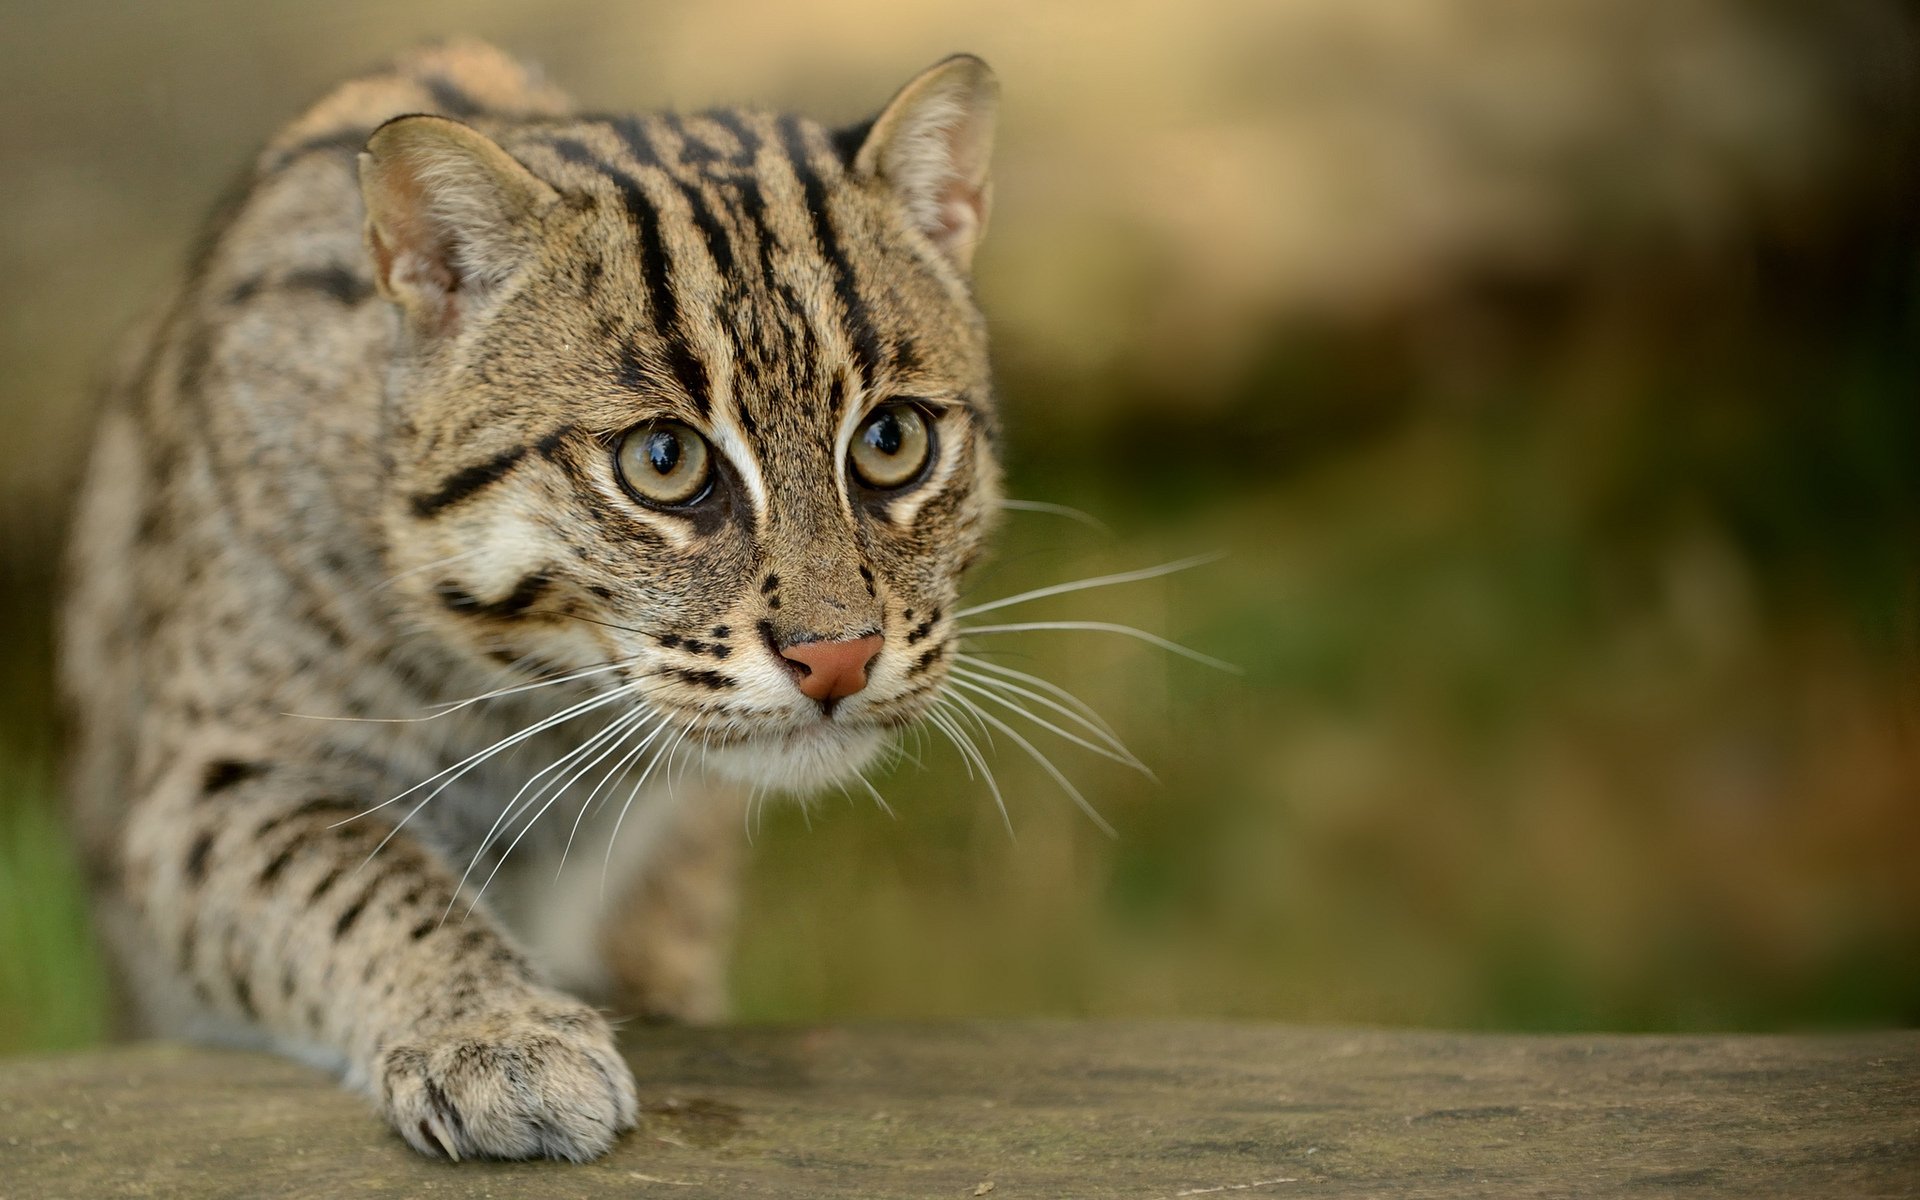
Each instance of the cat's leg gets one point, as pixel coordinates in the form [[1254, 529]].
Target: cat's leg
[[665, 942], [268, 914]]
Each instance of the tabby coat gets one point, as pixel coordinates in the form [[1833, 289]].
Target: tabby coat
[[390, 484]]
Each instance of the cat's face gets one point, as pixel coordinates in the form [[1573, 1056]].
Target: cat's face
[[698, 405]]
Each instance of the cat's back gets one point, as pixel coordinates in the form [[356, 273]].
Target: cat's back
[[237, 455]]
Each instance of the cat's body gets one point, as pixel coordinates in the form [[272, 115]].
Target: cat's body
[[428, 427]]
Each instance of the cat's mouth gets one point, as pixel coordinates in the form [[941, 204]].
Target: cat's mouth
[[799, 752], [823, 753]]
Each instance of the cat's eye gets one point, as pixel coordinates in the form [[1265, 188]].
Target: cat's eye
[[892, 447], [664, 463]]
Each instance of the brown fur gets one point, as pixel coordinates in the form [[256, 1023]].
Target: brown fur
[[314, 516]]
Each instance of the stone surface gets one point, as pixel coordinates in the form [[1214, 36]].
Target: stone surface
[[1036, 1109]]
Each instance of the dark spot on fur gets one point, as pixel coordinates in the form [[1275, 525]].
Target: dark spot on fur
[[347, 918], [467, 481], [197, 857], [227, 772], [513, 604], [243, 996], [336, 282], [771, 582], [926, 660], [275, 866], [423, 929], [706, 679], [325, 885], [334, 806]]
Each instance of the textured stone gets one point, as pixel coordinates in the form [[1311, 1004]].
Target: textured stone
[[1036, 1109]]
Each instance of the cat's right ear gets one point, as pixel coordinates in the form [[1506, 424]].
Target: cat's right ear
[[450, 216], [931, 146]]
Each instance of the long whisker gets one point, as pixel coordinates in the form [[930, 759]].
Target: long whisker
[[513, 807], [875, 793], [1109, 627], [1046, 685], [944, 722], [455, 706], [1121, 755], [1047, 763], [628, 724], [466, 764], [1058, 510], [390, 580], [617, 771], [1098, 728], [1081, 585], [613, 838]]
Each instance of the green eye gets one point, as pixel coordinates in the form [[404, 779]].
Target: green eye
[[891, 447], [664, 463]]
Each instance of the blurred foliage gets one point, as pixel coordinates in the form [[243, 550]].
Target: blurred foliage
[[1548, 372]]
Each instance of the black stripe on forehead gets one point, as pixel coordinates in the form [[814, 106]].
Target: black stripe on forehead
[[744, 133], [634, 133], [656, 272], [859, 325]]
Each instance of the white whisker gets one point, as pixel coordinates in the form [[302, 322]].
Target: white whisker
[[1058, 510], [468, 763], [626, 724], [613, 838], [454, 706], [617, 771], [390, 580], [1081, 585], [513, 807], [1047, 763], [875, 793], [1118, 753], [943, 720], [1107, 627], [1046, 685]]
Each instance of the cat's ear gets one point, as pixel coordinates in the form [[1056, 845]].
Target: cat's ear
[[450, 216], [931, 144]]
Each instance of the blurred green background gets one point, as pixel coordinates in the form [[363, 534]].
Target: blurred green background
[[1549, 372]]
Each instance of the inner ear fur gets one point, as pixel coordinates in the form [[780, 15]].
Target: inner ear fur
[[931, 145], [450, 216]]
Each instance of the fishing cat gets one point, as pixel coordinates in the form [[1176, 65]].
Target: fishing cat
[[491, 450]]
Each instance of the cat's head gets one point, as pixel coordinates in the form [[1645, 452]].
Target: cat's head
[[701, 400]]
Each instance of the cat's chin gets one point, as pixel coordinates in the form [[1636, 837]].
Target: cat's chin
[[800, 765]]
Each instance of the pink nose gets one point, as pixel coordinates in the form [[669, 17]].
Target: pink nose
[[832, 670]]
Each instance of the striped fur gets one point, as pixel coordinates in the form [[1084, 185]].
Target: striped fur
[[363, 466]]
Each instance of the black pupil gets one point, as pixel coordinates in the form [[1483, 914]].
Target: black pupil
[[884, 435], [663, 451]]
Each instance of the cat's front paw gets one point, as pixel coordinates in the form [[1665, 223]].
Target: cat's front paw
[[540, 1080]]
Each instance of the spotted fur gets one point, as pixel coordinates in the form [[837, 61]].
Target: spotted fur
[[362, 468]]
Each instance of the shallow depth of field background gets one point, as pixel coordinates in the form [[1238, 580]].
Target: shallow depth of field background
[[1548, 372]]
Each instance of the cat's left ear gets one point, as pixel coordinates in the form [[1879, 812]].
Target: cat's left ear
[[931, 144]]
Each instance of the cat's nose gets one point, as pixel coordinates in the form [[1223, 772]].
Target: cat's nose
[[828, 671]]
